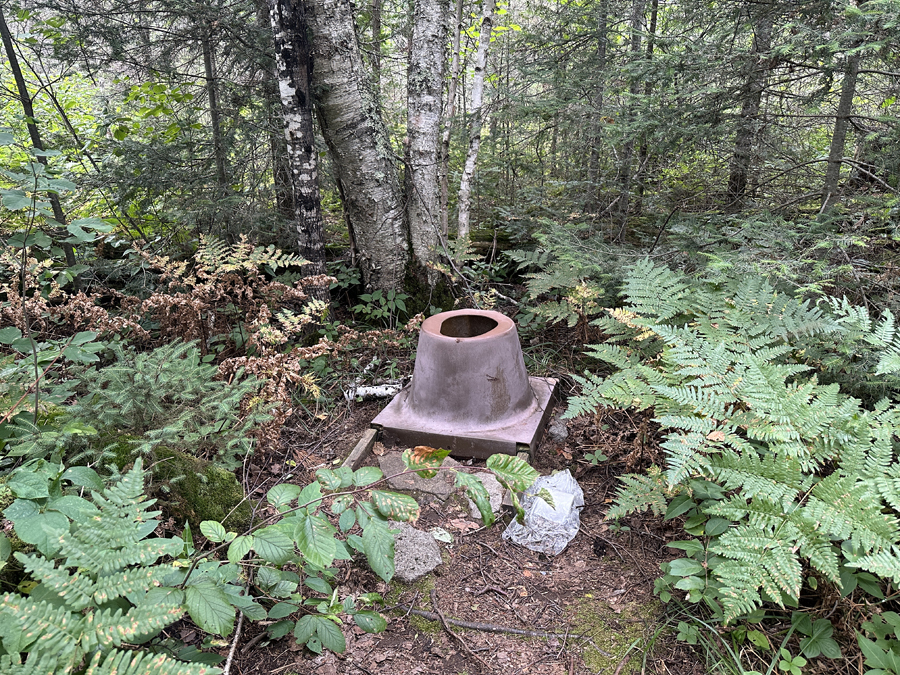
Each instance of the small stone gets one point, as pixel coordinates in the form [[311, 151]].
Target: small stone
[[495, 493], [441, 485], [558, 431], [416, 553]]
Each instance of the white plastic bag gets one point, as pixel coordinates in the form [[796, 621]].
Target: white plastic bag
[[548, 529]]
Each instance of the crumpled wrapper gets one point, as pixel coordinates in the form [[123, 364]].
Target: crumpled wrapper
[[549, 530]]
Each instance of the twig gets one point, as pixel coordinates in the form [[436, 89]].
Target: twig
[[484, 666], [234, 644], [255, 640], [621, 665], [493, 628]]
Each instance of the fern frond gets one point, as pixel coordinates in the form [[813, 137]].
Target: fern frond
[[75, 589], [757, 559], [131, 663], [639, 493], [129, 582], [844, 508], [778, 479], [686, 457], [657, 292], [883, 563]]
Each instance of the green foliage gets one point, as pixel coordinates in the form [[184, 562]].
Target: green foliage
[[99, 582], [770, 464], [563, 286], [302, 538], [882, 648], [384, 308], [166, 397]]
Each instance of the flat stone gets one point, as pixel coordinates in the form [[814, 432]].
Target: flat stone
[[495, 492], [416, 553], [441, 485]]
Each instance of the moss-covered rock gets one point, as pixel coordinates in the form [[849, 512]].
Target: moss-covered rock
[[199, 490]]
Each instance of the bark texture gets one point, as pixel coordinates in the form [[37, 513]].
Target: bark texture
[[839, 136], [354, 131], [449, 114], [292, 60], [626, 169], [476, 118], [749, 121], [425, 85]]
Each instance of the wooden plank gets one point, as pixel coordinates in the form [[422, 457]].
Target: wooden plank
[[362, 449]]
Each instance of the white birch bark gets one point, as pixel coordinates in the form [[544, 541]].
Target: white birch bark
[[477, 118], [292, 61], [424, 87], [351, 122]]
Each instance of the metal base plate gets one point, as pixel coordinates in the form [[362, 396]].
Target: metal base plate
[[400, 427]]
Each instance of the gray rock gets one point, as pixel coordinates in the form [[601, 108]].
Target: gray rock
[[416, 553], [441, 485], [495, 491], [558, 431]]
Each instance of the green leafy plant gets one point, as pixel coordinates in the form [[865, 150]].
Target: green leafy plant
[[382, 307], [98, 580], [303, 537], [882, 651], [792, 665], [772, 465]]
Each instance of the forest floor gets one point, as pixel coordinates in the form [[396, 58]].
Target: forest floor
[[597, 595]]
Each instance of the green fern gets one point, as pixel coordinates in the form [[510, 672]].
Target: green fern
[[725, 365], [106, 590]]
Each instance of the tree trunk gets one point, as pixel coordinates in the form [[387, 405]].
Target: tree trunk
[[449, 114], [748, 124], [644, 154], [31, 123], [477, 118], [212, 93], [425, 83], [292, 60], [627, 152], [376, 45], [597, 104], [839, 136], [354, 131]]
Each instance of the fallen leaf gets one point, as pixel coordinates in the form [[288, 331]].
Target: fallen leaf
[[462, 524], [526, 573]]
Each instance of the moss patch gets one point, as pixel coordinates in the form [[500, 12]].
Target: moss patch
[[199, 490], [617, 634], [424, 586]]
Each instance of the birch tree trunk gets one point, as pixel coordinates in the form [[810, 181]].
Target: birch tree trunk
[[425, 83], [449, 114], [292, 61], [477, 118], [350, 119], [839, 136], [748, 124]]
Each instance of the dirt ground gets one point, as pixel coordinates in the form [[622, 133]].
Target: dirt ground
[[596, 596]]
